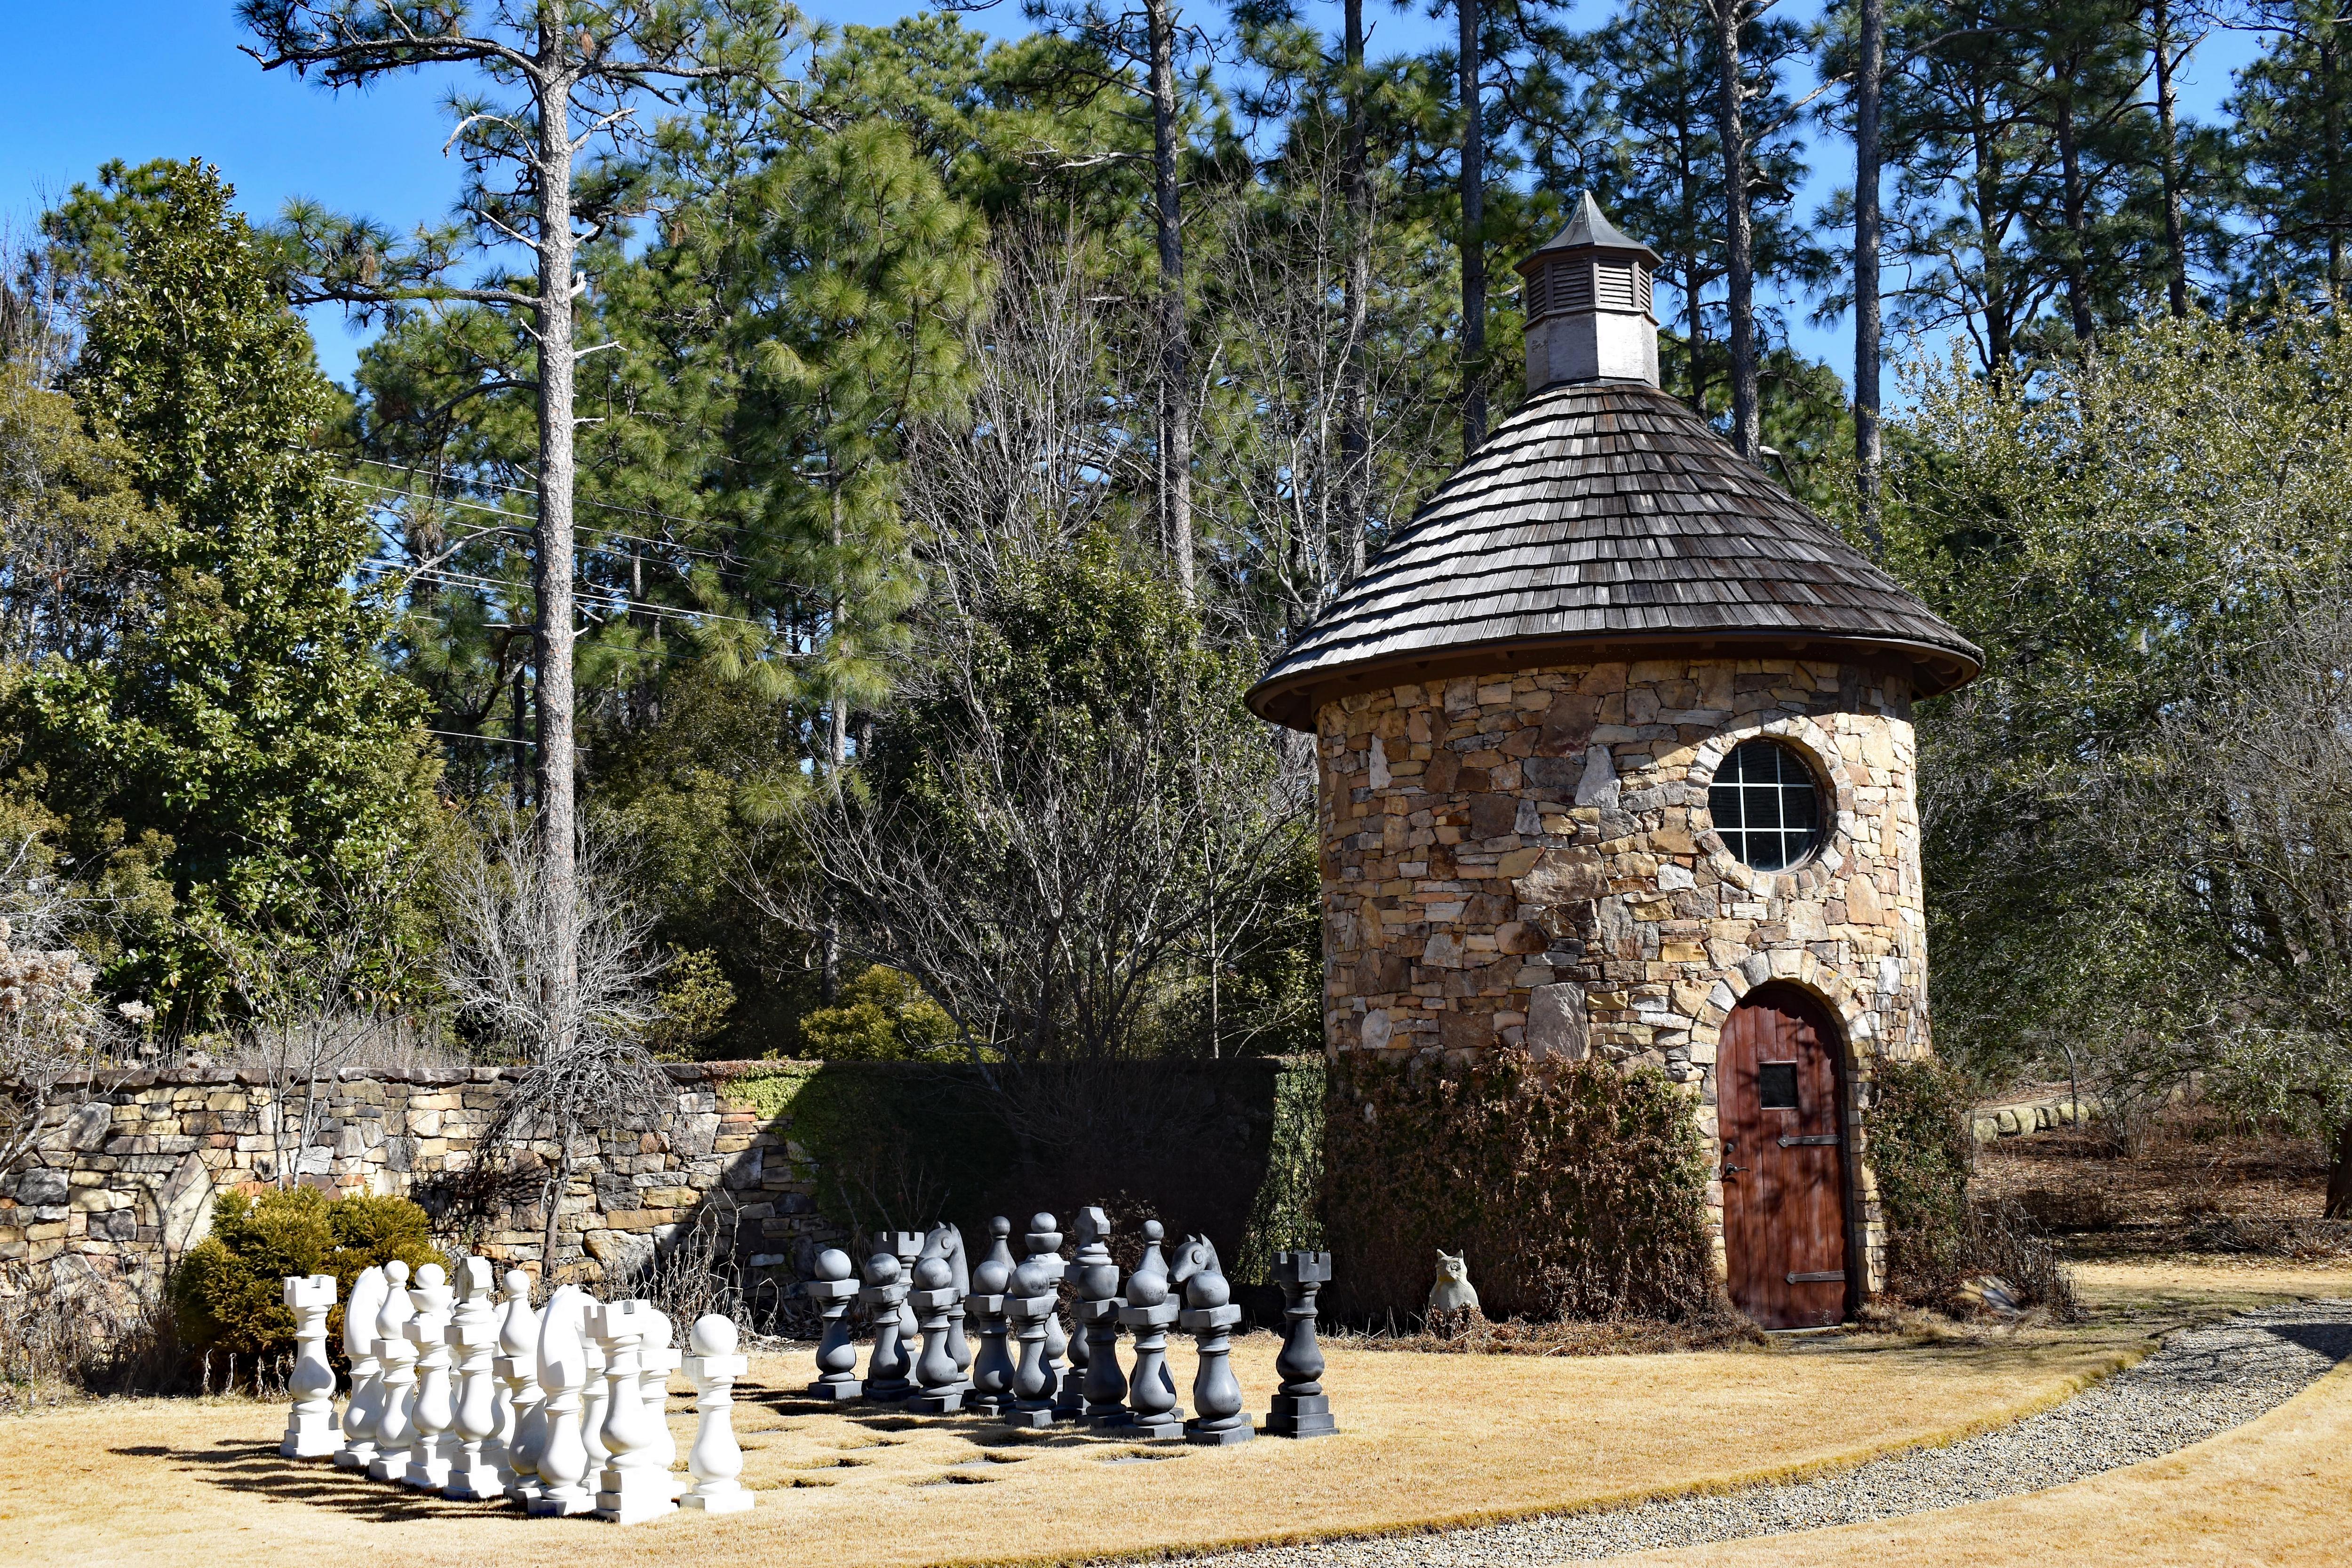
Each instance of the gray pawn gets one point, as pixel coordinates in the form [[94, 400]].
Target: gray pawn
[[1152, 1411], [1030, 1309], [1301, 1408], [1209, 1317], [887, 1364], [836, 1353], [1095, 1277], [993, 1371], [935, 1301]]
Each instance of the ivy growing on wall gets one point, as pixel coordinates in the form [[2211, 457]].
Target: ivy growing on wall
[[1574, 1191]]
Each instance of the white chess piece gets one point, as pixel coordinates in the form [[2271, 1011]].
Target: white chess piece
[[562, 1372], [310, 1423], [435, 1411], [656, 1359], [595, 1399], [473, 1336], [393, 1434], [360, 1413], [521, 1423], [633, 1485], [717, 1459]]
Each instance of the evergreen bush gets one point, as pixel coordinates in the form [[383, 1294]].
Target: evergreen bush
[[225, 1294]]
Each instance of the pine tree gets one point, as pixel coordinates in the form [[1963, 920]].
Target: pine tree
[[2292, 105]]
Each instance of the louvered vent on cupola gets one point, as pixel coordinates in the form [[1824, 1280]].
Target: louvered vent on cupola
[[1588, 305]]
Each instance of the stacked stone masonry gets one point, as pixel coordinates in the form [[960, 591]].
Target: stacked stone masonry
[[124, 1182], [1527, 859]]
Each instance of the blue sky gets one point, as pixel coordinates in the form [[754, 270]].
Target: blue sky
[[148, 79]]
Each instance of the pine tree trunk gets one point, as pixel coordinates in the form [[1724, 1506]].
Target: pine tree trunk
[[1473, 238], [2331, 99], [2070, 187], [1869, 74], [1355, 425], [1740, 261], [2176, 249], [552, 570], [1175, 465], [521, 719]]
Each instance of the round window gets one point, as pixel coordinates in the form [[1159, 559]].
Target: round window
[[1765, 805]]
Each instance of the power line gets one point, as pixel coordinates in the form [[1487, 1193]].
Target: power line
[[493, 740], [445, 475], [589, 593]]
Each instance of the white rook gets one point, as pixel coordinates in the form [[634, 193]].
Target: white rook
[[310, 1424], [365, 1405], [717, 1459]]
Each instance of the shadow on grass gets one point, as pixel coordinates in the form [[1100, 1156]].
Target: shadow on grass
[[237, 1465]]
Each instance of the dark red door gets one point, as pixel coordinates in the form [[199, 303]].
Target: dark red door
[[1784, 1125]]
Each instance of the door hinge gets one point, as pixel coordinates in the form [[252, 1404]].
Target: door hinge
[[1810, 1140], [1823, 1277]]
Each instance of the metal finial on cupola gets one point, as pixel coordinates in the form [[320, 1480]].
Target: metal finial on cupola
[[1587, 304]]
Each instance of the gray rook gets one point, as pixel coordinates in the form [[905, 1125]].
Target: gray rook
[[1301, 1408]]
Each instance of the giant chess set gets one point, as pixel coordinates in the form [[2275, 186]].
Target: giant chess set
[[466, 1390]]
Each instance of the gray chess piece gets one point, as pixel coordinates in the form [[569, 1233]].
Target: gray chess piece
[[993, 1371], [1093, 1274], [1030, 1309], [909, 1247], [887, 1364], [1301, 1408], [1070, 1403], [935, 1301], [1152, 1410], [837, 1353], [1209, 1317], [946, 1242]]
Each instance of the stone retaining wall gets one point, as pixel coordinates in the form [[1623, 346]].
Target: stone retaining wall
[[124, 1185]]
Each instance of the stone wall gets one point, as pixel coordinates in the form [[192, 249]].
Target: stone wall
[[124, 1183], [1526, 858]]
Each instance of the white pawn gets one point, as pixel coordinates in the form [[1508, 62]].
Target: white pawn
[[393, 1433], [632, 1486], [656, 1359], [310, 1424], [562, 1372], [435, 1410], [521, 1424], [362, 1411], [473, 1336], [717, 1459]]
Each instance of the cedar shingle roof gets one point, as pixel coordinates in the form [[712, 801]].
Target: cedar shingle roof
[[1605, 514]]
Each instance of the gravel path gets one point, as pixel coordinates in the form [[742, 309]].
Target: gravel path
[[2202, 1380]]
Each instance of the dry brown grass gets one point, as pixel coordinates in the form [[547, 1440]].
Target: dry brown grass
[[1428, 1439], [2270, 1493]]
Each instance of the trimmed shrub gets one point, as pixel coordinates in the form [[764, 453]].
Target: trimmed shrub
[[225, 1294], [1576, 1190]]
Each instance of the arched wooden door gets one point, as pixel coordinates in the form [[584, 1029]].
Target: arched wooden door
[[1781, 1102]]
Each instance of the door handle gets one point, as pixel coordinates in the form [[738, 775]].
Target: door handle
[[1728, 1170]]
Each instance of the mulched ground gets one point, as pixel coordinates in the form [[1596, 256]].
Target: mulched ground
[[2199, 1182]]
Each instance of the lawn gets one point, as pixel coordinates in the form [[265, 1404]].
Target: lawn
[[1428, 1439]]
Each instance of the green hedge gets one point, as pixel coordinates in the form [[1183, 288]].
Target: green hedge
[[1920, 1151]]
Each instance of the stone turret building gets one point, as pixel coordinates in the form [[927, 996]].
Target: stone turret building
[[1616, 759]]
